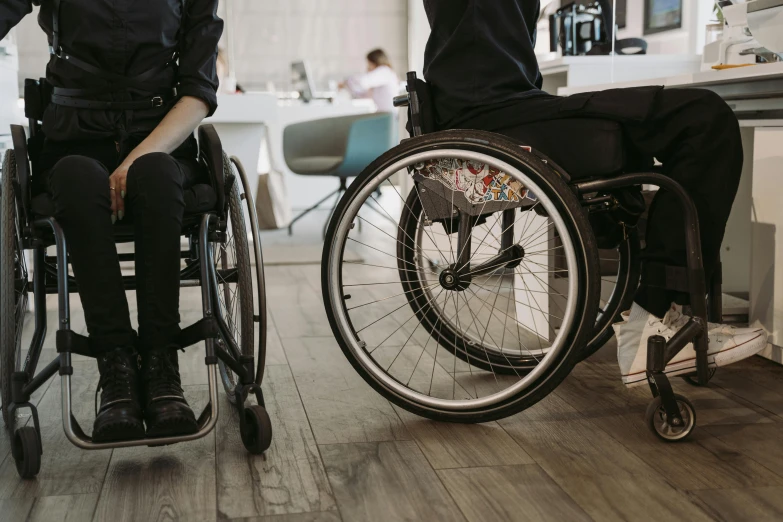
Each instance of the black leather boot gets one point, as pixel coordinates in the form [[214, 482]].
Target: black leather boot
[[119, 416], [166, 411]]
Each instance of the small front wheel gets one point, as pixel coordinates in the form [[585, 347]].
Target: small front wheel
[[27, 451], [257, 431], [659, 423]]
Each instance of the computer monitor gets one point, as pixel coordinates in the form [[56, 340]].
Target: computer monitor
[[662, 15], [302, 81]]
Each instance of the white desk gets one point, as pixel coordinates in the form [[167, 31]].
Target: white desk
[[754, 236], [251, 128], [583, 71]]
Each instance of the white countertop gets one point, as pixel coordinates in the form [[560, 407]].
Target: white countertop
[[753, 73], [268, 108], [551, 63]]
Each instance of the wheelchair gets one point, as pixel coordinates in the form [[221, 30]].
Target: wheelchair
[[219, 259], [463, 278]]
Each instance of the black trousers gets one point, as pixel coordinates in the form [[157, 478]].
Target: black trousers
[[695, 135], [78, 180]]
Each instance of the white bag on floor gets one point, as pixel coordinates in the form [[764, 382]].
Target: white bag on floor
[[272, 206]]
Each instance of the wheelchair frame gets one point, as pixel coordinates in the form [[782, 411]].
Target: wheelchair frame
[[659, 351], [211, 329]]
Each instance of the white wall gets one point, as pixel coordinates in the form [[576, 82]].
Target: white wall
[[33, 48], [418, 33], [334, 35], [687, 40]]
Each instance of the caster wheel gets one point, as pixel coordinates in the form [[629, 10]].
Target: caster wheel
[[658, 421], [26, 451], [693, 380], [257, 435]]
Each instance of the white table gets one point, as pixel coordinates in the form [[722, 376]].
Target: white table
[[584, 71], [754, 236], [251, 127]]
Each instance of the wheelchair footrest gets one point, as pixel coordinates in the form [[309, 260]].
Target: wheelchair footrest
[[71, 342], [206, 328]]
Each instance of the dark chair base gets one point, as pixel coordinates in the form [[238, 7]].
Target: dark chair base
[[339, 193]]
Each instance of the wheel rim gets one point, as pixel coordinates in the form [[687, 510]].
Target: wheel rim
[[669, 432], [230, 272], [340, 284], [478, 342]]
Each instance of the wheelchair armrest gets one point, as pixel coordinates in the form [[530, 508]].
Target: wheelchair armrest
[[19, 139], [211, 155]]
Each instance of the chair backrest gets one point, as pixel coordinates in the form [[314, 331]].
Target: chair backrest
[[211, 156], [421, 108], [352, 142], [368, 138]]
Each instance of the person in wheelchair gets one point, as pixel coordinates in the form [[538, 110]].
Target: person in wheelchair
[[482, 71], [119, 120]]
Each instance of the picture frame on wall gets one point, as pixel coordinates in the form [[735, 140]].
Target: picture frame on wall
[[662, 15]]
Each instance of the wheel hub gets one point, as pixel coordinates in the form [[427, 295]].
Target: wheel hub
[[517, 255], [450, 279]]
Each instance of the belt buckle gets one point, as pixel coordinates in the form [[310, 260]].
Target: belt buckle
[[157, 101]]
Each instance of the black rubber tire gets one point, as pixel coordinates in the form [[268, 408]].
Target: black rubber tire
[[257, 436], [680, 435], [258, 255], [12, 303], [244, 285], [26, 450], [622, 297], [551, 182]]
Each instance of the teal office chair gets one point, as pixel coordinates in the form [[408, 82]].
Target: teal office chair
[[341, 147]]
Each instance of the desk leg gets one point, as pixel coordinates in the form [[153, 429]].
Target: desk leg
[[766, 276]]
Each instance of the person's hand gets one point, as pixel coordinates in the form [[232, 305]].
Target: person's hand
[[117, 188]]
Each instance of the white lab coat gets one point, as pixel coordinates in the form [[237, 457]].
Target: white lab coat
[[381, 84]]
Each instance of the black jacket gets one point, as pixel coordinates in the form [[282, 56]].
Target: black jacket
[[127, 37], [480, 53], [481, 66]]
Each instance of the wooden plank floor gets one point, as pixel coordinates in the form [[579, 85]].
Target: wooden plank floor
[[341, 452]]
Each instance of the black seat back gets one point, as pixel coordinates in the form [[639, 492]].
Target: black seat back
[[211, 155], [421, 109]]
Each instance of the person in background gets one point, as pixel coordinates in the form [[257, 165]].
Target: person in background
[[380, 82]]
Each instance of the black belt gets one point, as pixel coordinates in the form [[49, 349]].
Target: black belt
[[60, 97]]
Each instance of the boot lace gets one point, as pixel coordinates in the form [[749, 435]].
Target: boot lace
[[117, 379], [162, 377]]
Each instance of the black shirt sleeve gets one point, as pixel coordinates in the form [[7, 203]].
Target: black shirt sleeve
[[198, 54], [11, 12]]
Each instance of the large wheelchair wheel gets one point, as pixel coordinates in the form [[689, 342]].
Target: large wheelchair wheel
[[13, 285], [470, 298], [619, 270], [235, 287]]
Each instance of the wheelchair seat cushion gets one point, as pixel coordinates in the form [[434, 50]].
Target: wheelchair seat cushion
[[583, 147], [199, 198]]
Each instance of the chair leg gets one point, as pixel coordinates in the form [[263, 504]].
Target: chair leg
[[307, 211], [372, 205], [340, 193]]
